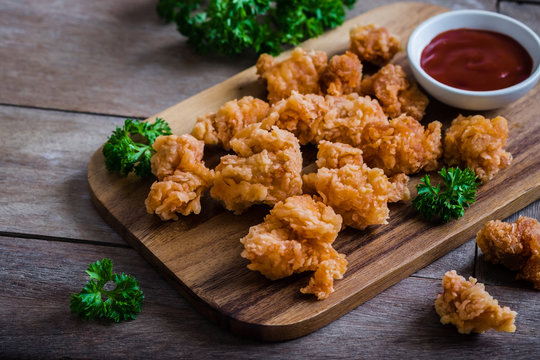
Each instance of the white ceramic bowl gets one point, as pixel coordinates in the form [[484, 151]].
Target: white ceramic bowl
[[473, 19]]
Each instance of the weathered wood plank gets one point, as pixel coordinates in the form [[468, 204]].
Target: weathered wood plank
[[43, 173], [528, 13], [38, 276], [113, 57]]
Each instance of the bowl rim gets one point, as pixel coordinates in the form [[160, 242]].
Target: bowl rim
[[528, 82]]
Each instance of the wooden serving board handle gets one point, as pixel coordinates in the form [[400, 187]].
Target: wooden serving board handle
[[200, 254]]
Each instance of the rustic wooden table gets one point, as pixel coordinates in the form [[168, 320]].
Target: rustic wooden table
[[73, 70]]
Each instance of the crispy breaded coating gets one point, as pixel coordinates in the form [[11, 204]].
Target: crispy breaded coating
[[313, 118], [373, 44], [218, 128], [299, 114], [300, 72], [343, 75], [478, 143], [266, 169], [335, 155], [468, 306], [514, 245], [347, 117], [297, 236], [396, 93], [402, 146], [356, 192], [182, 177], [176, 152], [177, 193]]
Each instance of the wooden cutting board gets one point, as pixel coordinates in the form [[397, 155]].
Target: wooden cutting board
[[200, 254]]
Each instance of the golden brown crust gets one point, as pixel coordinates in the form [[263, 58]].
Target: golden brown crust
[[336, 155], [218, 128], [402, 146], [356, 192], [266, 169], [468, 306], [478, 143], [514, 245], [299, 73], [373, 44], [297, 236], [343, 75], [313, 118], [182, 177], [396, 93]]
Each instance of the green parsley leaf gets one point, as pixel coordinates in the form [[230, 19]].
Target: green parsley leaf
[[95, 302], [230, 27], [459, 193], [129, 148]]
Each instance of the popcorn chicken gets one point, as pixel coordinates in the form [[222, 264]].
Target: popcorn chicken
[[356, 192], [336, 155], [373, 44], [395, 92], [300, 72], [468, 306], [313, 118], [297, 236], [514, 245], [265, 170], [182, 177], [343, 75], [478, 143], [218, 128], [402, 146]]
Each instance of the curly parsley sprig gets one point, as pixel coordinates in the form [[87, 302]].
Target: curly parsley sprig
[[229, 27], [129, 148], [459, 193], [94, 301]]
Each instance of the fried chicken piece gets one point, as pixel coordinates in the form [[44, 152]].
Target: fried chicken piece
[[514, 245], [218, 128], [347, 118], [478, 143], [395, 92], [313, 118], [297, 236], [373, 44], [336, 155], [182, 177], [402, 146], [299, 114], [300, 72], [356, 192], [343, 75], [265, 170], [174, 152], [178, 193], [468, 306]]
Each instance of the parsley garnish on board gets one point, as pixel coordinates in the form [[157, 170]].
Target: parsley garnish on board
[[129, 148], [94, 301], [459, 193], [230, 27]]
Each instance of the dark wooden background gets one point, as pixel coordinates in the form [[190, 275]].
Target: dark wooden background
[[70, 71]]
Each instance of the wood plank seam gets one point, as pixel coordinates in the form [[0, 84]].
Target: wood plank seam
[[62, 239], [70, 111]]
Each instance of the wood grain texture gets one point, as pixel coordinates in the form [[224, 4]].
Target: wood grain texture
[[37, 278], [112, 57], [43, 179], [222, 288]]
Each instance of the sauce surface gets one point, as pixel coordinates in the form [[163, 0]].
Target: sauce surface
[[477, 60]]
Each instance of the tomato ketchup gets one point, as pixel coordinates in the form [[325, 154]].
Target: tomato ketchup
[[477, 60]]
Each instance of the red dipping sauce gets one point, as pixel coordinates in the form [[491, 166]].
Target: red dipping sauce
[[477, 60]]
